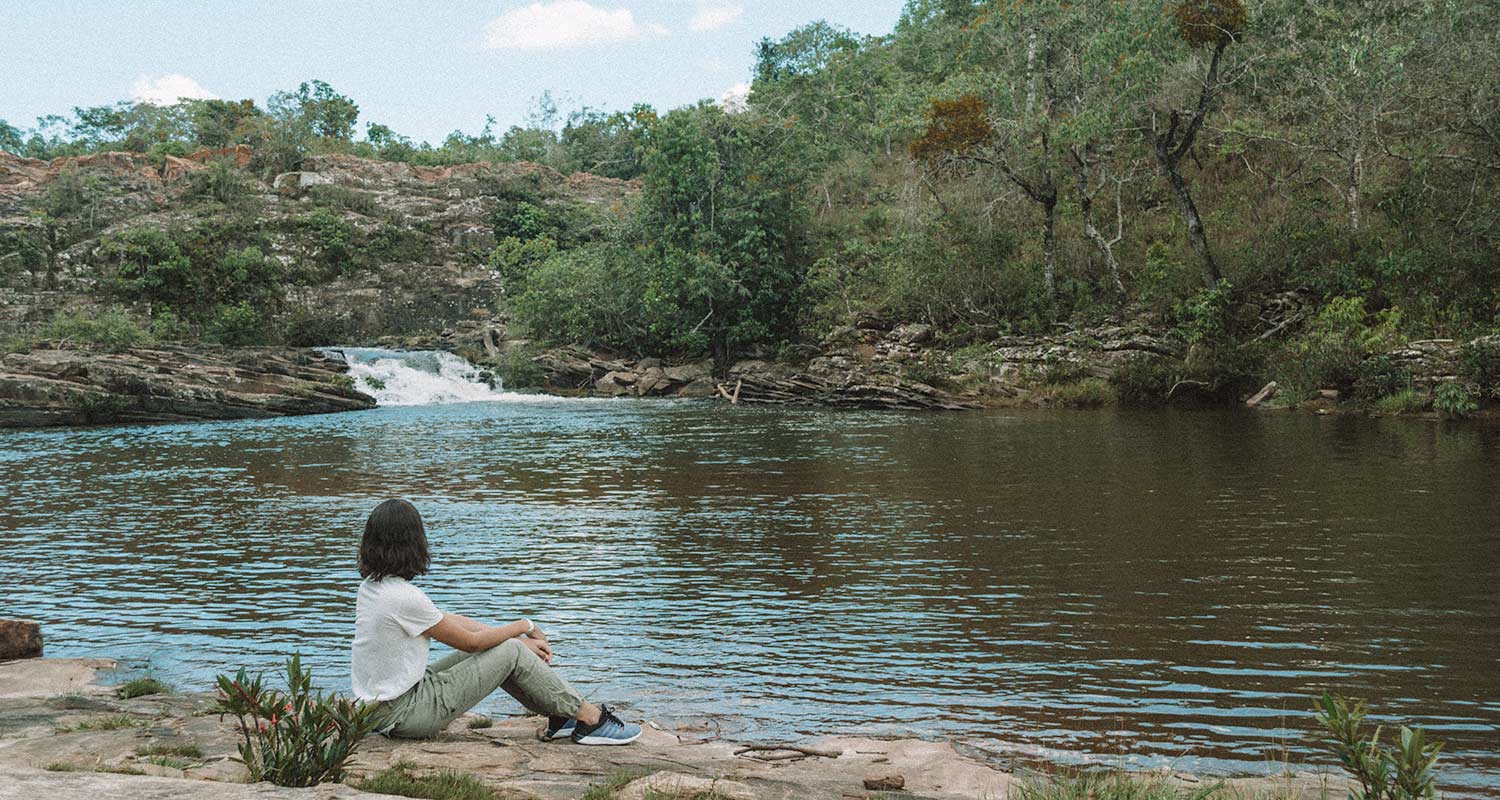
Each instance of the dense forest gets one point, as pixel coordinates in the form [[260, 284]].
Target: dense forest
[[987, 168]]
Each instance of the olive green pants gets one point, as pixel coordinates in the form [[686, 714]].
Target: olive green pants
[[457, 682]]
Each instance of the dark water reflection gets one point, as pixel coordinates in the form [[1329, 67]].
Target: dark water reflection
[[1138, 589]]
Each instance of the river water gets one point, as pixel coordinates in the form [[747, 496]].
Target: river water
[[1138, 589]]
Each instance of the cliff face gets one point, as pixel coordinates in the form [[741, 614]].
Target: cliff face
[[429, 274]]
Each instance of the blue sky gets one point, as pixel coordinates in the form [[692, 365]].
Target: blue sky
[[424, 67]]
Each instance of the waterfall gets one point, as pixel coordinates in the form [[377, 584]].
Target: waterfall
[[419, 377]]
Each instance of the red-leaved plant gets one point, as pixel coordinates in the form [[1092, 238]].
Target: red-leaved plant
[[296, 737]]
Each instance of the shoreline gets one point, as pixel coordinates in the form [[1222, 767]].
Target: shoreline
[[63, 733]]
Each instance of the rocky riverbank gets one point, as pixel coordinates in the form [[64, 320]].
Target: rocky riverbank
[[62, 735], [52, 385]]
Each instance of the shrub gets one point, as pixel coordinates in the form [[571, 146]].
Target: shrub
[[1454, 399], [149, 265], [307, 328], [515, 260], [112, 329], [167, 326], [221, 182], [1479, 363], [1144, 380], [1404, 771], [1332, 352], [239, 325], [332, 237], [296, 737], [140, 687], [1090, 393], [1406, 401], [1378, 377], [517, 370]]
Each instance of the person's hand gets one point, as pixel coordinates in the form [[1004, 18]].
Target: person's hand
[[537, 632], [540, 647]]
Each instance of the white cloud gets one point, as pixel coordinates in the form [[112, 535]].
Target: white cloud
[[715, 14], [164, 90], [735, 99], [555, 24]]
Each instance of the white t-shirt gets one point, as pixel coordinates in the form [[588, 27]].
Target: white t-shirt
[[390, 652]]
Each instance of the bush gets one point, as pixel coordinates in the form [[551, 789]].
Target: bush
[[1454, 399], [1479, 363], [1406, 401], [1090, 393], [221, 182], [113, 329], [1404, 771], [1144, 380], [516, 369], [307, 328], [515, 260], [332, 238], [1379, 377], [1333, 351], [239, 325], [296, 737], [140, 687]]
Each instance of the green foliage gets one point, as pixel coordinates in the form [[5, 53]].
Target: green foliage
[[309, 328], [331, 238], [294, 737], [167, 326], [221, 181], [141, 687], [515, 259], [111, 722], [191, 751], [1402, 771], [1087, 393], [1144, 380], [403, 780], [1380, 376], [517, 369], [238, 325], [1479, 364], [613, 783], [1110, 785], [1454, 400], [1333, 351], [1405, 401], [112, 329]]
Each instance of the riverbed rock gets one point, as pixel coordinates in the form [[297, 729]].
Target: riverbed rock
[[20, 638], [67, 386]]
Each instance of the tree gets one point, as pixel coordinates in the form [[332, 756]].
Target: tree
[[325, 112], [1172, 130], [11, 140]]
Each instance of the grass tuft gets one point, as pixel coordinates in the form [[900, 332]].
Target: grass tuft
[[1087, 393], [1406, 401], [440, 785], [1110, 785], [140, 687], [61, 766], [614, 783], [110, 723], [172, 750], [476, 723]]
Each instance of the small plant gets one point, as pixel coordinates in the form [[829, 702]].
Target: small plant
[[112, 722], [192, 751], [1144, 380], [401, 780], [612, 784], [340, 381], [60, 766], [373, 383], [478, 723], [1406, 401], [1404, 771], [1090, 393], [140, 687], [296, 737], [1454, 400], [1108, 785]]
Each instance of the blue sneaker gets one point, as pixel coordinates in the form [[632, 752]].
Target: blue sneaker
[[610, 730], [558, 728]]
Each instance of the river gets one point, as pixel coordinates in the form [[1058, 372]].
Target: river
[[1137, 589]]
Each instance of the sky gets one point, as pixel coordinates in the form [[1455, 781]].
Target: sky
[[423, 67]]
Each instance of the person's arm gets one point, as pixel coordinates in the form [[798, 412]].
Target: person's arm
[[453, 631], [475, 625]]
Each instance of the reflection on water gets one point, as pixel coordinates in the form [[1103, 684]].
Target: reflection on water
[[1127, 588]]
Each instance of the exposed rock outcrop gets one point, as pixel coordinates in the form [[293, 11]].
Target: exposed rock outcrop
[[170, 384], [20, 638]]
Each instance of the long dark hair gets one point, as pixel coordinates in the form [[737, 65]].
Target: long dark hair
[[395, 543]]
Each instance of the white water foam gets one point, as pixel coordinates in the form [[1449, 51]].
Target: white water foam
[[420, 377]]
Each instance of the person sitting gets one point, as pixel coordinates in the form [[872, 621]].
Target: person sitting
[[395, 623]]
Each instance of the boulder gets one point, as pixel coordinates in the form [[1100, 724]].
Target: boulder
[[914, 333], [295, 183], [885, 783], [20, 638], [699, 388], [615, 384], [687, 373]]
